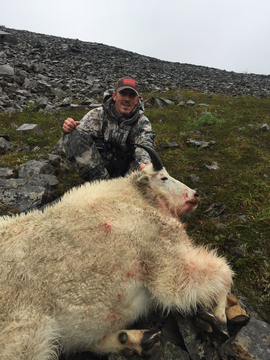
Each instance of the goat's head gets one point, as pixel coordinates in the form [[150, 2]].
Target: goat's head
[[169, 194]]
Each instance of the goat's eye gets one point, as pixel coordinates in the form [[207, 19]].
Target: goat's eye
[[164, 178]]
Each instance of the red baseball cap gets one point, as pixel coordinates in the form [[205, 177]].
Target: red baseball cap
[[126, 83]]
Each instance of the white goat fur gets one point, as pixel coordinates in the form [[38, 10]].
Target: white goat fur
[[96, 261]]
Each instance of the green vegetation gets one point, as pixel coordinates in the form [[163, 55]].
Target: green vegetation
[[241, 183], [30, 107], [207, 119]]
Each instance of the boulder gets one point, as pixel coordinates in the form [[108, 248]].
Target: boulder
[[32, 129], [5, 146], [160, 102], [265, 127], [23, 195], [34, 167], [34, 187], [6, 173], [251, 343], [6, 70]]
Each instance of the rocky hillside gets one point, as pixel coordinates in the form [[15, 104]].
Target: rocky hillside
[[53, 71]]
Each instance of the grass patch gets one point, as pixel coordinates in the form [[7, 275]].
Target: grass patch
[[241, 183], [207, 119]]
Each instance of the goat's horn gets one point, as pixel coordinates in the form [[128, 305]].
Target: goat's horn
[[156, 161]]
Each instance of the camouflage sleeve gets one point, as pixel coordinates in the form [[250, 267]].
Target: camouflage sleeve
[[80, 149], [143, 134], [92, 122]]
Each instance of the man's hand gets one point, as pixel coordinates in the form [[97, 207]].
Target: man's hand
[[69, 125]]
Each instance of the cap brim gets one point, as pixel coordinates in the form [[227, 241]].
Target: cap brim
[[127, 87]]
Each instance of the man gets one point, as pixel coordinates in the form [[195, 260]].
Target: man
[[100, 145]]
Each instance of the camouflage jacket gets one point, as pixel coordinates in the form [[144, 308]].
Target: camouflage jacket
[[111, 131], [101, 146]]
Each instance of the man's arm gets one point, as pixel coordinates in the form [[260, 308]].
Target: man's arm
[[80, 148]]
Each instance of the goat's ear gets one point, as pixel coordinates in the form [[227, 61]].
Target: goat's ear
[[144, 179]]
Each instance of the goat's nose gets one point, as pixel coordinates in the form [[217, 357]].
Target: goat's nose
[[196, 194]]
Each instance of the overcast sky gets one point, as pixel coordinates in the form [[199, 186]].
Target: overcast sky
[[224, 34]]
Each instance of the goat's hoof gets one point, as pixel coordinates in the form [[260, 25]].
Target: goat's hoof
[[237, 315], [207, 321], [204, 325], [240, 320], [223, 330], [207, 315], [236, 312], [142, 342], [150, 338]]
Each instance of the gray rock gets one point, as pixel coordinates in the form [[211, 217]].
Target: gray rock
[[190, 103], [36, 148], [215, 209], [6, 173], [34, 167], [23, 195], [173, 352], [200, 144], [5, 146], [160, 102], [3, 33], [242, 218], [66, 102], [170, 145], [54, 159], [193, 178], [41, 102], [197, 341], [213, 166], [33, 189], [48, 179], [251, 343], [6, 70], [32, 129], [181, 103], [94, 105], [26, 83], [5, 136], [265, 127]]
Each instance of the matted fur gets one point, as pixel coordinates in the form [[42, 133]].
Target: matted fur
[[96, 261]]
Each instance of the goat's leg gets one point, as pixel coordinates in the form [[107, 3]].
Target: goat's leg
[[219, 309], [209, 319], [230, 310], [130, 341]]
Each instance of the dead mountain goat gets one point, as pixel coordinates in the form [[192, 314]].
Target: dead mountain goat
[[73, 277]]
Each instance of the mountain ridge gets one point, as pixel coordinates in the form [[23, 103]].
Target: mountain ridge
[[34, 65]]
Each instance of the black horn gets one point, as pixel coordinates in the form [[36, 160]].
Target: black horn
[[156, 160]]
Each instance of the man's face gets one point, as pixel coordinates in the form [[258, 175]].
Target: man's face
[[125, 101]]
